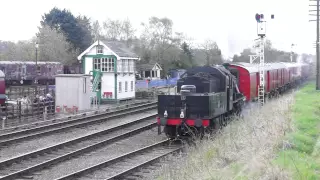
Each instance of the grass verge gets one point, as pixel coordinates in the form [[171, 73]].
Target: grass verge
[[301, 155]]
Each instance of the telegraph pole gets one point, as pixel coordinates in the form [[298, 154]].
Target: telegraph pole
[[317, 43], [291, 54]]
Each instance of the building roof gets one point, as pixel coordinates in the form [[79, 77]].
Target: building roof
[[119, 49], [147, 67]]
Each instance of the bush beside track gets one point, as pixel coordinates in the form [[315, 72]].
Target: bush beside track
[[276, 142]]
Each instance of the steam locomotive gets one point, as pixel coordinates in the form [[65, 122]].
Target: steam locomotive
[[208, 96]]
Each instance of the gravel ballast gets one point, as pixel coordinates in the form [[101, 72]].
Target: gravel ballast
[[44, 141]]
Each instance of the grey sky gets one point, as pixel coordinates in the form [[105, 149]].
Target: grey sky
[[231, 23]]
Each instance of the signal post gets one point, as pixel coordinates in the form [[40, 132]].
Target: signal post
[[261, 31]]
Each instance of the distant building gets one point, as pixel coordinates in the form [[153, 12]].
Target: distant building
[[150, 70], [112, 65]]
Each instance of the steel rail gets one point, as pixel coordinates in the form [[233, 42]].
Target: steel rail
[[15, 124], [76, 152], [146, 163], [66, 125], [99, 166]]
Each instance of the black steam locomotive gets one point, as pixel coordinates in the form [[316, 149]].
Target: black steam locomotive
[[206, 97]]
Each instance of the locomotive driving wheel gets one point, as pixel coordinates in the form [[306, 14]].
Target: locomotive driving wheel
[[170, 131]]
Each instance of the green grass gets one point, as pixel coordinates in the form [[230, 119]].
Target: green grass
[[302, 159]]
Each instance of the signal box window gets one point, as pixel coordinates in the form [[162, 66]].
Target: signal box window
[[99, 49], [97, 63], [120, 87], [107, 64]]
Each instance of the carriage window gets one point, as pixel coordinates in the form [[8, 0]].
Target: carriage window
[[126, 86], [19, 68], [3, 69], [24, 69]]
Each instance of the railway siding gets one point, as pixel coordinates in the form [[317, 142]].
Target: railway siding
[[20, 124], [35, 143], [75, 157]]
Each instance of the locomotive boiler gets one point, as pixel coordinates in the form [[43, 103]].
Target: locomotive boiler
[[206, 97]]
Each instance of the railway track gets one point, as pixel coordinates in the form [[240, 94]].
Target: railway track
[[18, 136], [24, 165], [32, 119], [121, 166]]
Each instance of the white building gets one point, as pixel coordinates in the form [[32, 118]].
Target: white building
[[151, 70], [116, 65]]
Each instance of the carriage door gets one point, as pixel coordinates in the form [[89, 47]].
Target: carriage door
[[268, 81], [23, 73]]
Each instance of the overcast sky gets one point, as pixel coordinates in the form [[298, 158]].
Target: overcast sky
[[231, 23]]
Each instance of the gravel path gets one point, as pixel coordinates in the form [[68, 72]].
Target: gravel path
[[102, 154], [44, 141]]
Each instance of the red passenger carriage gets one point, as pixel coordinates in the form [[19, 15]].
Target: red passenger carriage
[[278, 77]]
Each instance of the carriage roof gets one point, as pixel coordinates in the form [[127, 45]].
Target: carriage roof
[[28, 62]]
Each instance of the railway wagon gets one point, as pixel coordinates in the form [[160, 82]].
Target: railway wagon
[[278, 77], [25, 72], [207, 95]]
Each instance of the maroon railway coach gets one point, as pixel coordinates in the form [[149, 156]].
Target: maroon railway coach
[[278, 77]]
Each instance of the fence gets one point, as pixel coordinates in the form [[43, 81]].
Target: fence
[[16, 92], [43, 112]]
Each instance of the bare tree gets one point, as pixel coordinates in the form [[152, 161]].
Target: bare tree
[[212, 52], [20, 51], [54, 47], [96, 30], [113, 29], [158, 36], [127, 31]]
